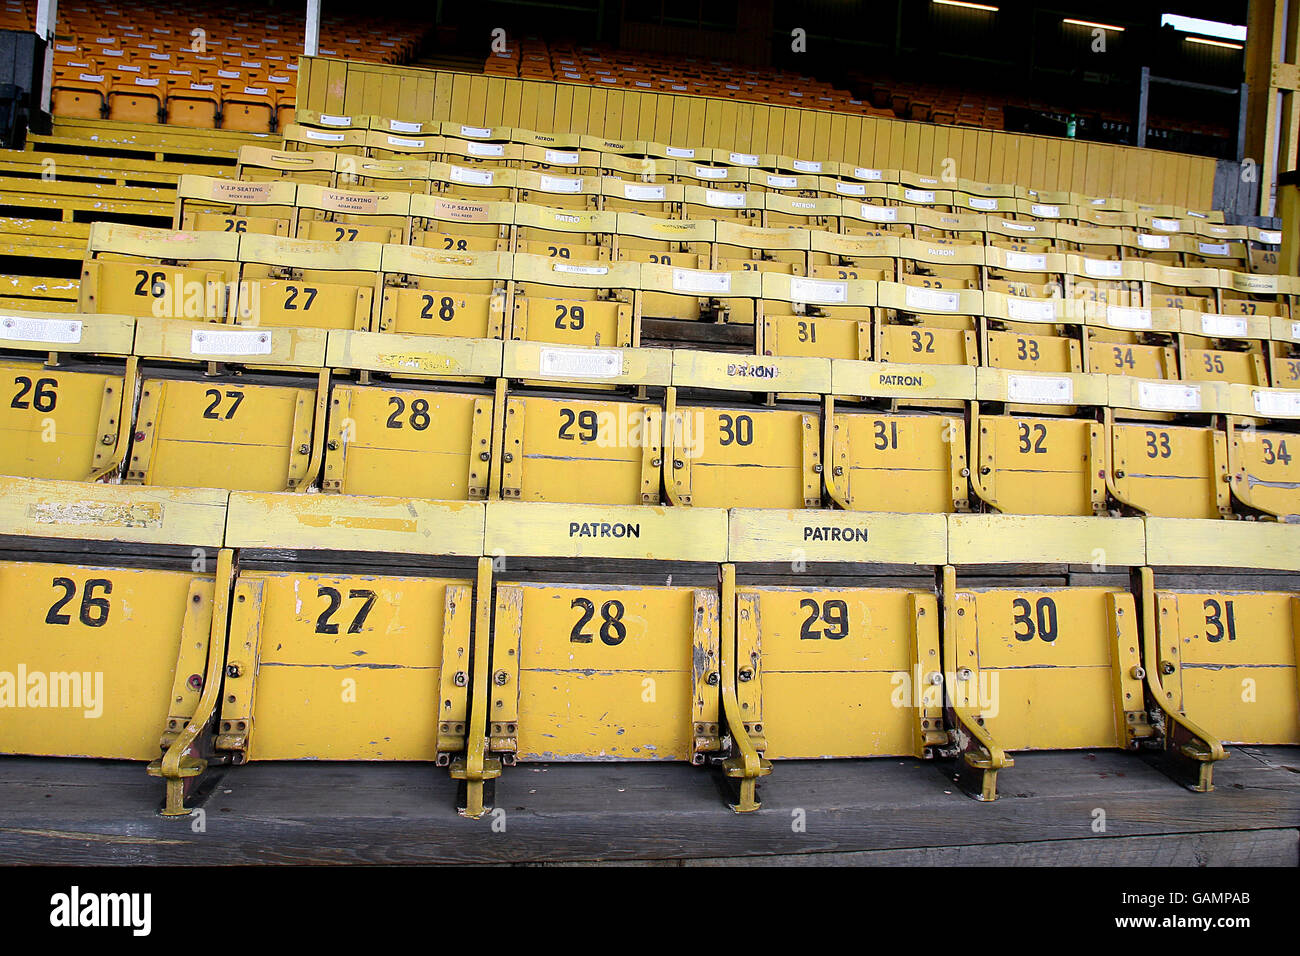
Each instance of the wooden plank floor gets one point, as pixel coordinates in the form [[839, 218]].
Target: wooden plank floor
[[879, 811]]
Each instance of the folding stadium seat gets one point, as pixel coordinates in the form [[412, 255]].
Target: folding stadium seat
[[1041, 334], [591, 444], [1038, 666], [393, 632], [191, 100], [566, 192], [386, 145], [476, 153], [701, 175], [932, 225], [1104, 281], [69, 620], [919, 192], [131, 270], [1218, 245], [312, 118], [658, 200], [223, 205], [740, 455], [752, 248], [1045, 452], [671, 242], [821, 213], [1179, 287], [874, 219], [1220, 643], [402, 174], [429, 291], [1243, 293], [461, 225], [1143, 343], [782, 183], [299, 282], [1155, 247], [886, 449], [638, 169], [564, 303], [249, 106], [672, 292], [824, 318], [869, 257], [1262, 442], [735, 205], [831, 665], [1017, 235], [398, 427], [1224, 348], [336, 215], [135, 97], [69, 384], [1167, 457], [1100, 242], [256, 163], [220, 407], [80, 94], [584, 670], [927, 325], [474, 183], [1262, 249], [296, 137]]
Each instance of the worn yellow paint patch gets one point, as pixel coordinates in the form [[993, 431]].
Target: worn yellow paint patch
[[348, 667], [605, 673], [88, 656]]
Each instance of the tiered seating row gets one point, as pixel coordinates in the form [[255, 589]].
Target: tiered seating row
[[405, 607]]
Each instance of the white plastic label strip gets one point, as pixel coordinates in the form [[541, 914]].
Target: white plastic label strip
[[1045, 212], [475, 132], [782, 182], [978, 202], [688, 280], [1031, 310], [397, 126], [580, 270], [1148, 241], [230, 342], [863, 173], [931, 300], [851, 189], [710, 172], [1276, 401], [818, 290], [583, 363], [558, 184], [633, 191], [1165, 225], [323, 137], [473, 177], [1212, 248], [1103, 267], [1120, 317], [806, 166], [1039, 390], [924, 196], [561, 157], [879, 213], [679, 153], [1223, 324], [744, 159], [17, 328], [725, 198], [1026, 262], [408, 143], [1168, 397], [485, 149]]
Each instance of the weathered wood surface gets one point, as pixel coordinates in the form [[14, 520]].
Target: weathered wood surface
[[876, 811]]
